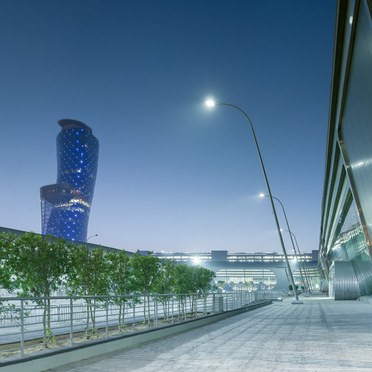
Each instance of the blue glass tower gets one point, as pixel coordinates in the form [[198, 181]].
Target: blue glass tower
[[65, 206]]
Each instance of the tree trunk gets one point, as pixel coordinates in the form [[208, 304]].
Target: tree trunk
[[120, 311], [88, 315], [144, 309], [45, 340], [148, 308]]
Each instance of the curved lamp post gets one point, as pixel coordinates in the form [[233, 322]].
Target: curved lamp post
[[211, 103], [299, 253], [289, 230], [92, 236]]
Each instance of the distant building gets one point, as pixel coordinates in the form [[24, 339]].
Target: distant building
[[346, 224], [65, 206], [254, 270]]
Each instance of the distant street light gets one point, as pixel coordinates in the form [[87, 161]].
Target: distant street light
[[92, 236], [196, 260], [289, 230], [299, 253], [211, 103]]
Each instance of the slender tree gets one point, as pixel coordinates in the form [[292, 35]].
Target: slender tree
[[145, 275], [8, 279], [165, 284], [121, 281], [89, 277], [183, 286], [191, 282], [40, 264], [203, 281]]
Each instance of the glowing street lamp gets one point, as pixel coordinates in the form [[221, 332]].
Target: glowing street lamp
[[211, 103], [196, 260]]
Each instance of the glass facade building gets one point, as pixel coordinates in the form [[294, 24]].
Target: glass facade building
[[65, 206], [346, 224], [253, 270]]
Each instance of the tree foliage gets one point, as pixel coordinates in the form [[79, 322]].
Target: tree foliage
[[89, 277], [146, 270], [37, 266], [193, 282], [89, 274], [120, 274], [8, 280]]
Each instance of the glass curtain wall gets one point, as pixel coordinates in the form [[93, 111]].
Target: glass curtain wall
[[356, 137]]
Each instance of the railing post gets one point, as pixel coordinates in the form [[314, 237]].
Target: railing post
[[156, 310], [71, 322], [220, 304], [134, 314], [214, 303], [107, 308], [22, 331], [172, 309], [185, 308], [166, 317]]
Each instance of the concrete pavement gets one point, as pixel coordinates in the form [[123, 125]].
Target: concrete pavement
[[320, 335]]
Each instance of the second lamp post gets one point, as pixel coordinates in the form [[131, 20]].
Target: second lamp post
[[211, 103]]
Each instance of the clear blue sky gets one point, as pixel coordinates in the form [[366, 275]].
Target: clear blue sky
[[172, 176]]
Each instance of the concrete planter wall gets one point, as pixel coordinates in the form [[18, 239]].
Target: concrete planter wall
[[44, 361]]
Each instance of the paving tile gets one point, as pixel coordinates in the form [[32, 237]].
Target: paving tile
[[320, 335]]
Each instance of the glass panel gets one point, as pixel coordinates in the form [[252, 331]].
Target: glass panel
[[351, 245], [357, 123], [357, 139]]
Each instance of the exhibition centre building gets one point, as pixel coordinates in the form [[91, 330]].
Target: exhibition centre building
[[346, 220], [255, 271]]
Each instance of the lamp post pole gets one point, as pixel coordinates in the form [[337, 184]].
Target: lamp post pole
[[299, 253], [211, 103], [290, 234], [92, 236]]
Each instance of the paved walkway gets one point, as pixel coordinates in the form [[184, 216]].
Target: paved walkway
[[320, 335]]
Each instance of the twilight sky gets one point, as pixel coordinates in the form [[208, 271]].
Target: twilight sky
[[172, 175]]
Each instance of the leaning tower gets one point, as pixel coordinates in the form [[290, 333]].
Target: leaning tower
[[65, 205]]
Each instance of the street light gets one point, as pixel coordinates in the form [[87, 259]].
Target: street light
[[289, 230], [211, 103], [92, 236], [299, 253], [196, 260]]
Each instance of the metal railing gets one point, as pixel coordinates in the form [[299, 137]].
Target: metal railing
[[30, 325]]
